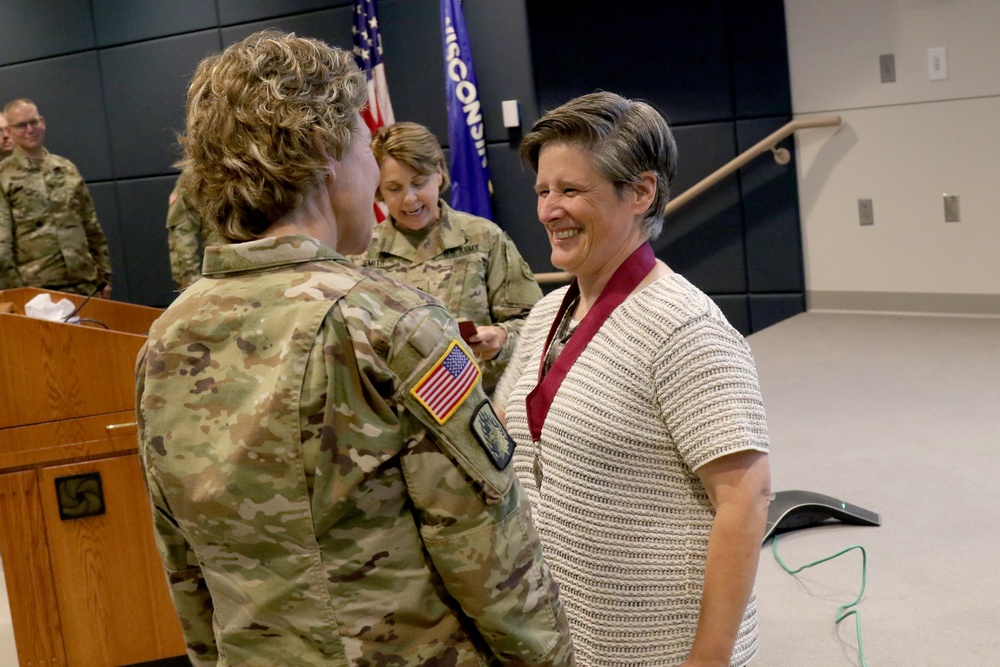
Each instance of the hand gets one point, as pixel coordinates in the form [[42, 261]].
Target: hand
[[488, 342], [104, 293]]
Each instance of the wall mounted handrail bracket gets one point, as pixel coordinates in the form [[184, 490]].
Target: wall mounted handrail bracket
[[767, 144]]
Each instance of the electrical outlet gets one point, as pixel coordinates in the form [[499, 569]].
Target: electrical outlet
[[951, 212], [937, 63], [866, 212], [887, 67]]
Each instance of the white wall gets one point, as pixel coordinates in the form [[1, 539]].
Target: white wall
[[903, 145]]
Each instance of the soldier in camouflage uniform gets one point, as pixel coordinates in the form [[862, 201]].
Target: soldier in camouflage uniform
[[6, 138], [330, 485], [187, 235], [49, 234], [466, 261]]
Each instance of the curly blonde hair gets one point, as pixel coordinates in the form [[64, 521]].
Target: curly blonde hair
[[255, 114], [415, 146]]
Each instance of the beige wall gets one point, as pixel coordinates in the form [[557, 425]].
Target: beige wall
[[902, 145]]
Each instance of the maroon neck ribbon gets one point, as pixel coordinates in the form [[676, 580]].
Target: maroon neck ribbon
[[624, 281]]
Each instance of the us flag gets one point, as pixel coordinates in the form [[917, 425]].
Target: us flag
[[368, 55], [447, 383]]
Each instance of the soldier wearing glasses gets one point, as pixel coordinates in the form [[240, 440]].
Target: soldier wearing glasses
[[49, 234]]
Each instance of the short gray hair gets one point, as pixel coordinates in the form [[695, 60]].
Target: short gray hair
[[625, 137]]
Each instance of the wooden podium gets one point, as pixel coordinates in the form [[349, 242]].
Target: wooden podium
[[84, 580]]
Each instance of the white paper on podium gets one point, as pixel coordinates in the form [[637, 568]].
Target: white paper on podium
[[42, 307]]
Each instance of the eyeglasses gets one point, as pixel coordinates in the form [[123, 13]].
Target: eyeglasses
[[21, 127]]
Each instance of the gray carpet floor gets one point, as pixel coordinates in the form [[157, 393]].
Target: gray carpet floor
[[899, 415]]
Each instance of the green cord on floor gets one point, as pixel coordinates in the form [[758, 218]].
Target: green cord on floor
[[842, 612]]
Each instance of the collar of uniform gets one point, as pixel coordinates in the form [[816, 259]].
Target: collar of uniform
[[266, 253], [26, 161], [445, 235]]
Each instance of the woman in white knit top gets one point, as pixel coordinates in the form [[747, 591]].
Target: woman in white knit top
[[636, 410]]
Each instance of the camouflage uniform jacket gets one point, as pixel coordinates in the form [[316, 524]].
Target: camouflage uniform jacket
[[187, 235], [308, 508], [471, 265], [49, 234]]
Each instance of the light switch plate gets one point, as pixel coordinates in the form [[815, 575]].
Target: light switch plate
[[887, 67], [511, 113], [866, 213], [951, 211]]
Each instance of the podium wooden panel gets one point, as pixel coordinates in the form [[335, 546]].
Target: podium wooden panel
[[117, 316], [84, 592]]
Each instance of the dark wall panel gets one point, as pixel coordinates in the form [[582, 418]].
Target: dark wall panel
[[64, 90], [242, 11], [498, 31], [143, 213], [768, 309], [414, 62], [771, 211], [145, 86], [736, 310], [704, 239], [514, 206], [761, 84], [121, 21], [35, 29], [673, 54], [705, 243], [106, 204], [332, 26]]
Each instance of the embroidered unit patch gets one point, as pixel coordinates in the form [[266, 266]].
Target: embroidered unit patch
[[447, 384], [492, 435]]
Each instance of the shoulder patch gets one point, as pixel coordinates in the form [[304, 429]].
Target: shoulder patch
[[448, 383], [492, 435]]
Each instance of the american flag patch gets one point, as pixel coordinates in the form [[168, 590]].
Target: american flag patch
[[447, 383]]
